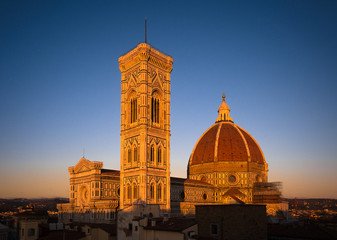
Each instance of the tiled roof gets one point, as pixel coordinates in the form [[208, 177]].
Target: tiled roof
[[255, 152], [172, 224], [109, 228], [110, 172], [188, 181], [235, 194], [226, 142], [231, 145], [197, 182], [204, 152]]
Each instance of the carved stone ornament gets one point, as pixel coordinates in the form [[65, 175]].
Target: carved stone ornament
[[152, 73]]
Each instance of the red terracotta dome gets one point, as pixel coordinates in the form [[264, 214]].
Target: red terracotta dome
[[224, 142]]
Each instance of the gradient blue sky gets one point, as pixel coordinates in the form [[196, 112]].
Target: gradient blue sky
[[60, 84]]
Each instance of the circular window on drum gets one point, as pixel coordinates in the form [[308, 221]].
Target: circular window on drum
[[204, 196], [233, 178]]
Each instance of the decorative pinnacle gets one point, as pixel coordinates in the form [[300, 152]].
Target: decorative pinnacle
[[224, 111]]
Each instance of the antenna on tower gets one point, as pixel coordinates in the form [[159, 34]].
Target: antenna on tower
[[145, 32], [83, 153]]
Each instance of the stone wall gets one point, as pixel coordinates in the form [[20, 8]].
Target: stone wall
[[232, 222]]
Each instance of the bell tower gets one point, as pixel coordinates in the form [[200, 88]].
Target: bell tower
[[145, 127]]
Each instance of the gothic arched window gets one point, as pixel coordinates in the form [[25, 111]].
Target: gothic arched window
[[155, 109], [129, 155], [135, 154], [159, 155], [129, 192], [159, 192], [135, 191], [152, 191], [133, 109], [152, 154]]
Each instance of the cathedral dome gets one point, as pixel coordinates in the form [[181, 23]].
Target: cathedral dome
[[226, 146], [226, 142]]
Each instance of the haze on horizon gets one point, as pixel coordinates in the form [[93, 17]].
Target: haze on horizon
[[60, 85]]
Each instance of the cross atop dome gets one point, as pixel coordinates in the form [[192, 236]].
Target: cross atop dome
[[224, 111]]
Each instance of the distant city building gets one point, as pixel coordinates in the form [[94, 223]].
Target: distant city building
[[226, 165]]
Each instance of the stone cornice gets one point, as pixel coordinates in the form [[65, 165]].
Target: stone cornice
[[144, 52]]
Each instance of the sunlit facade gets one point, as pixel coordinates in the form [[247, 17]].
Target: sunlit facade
[[226, 165]]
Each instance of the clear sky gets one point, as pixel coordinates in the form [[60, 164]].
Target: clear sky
[[60, 84]]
